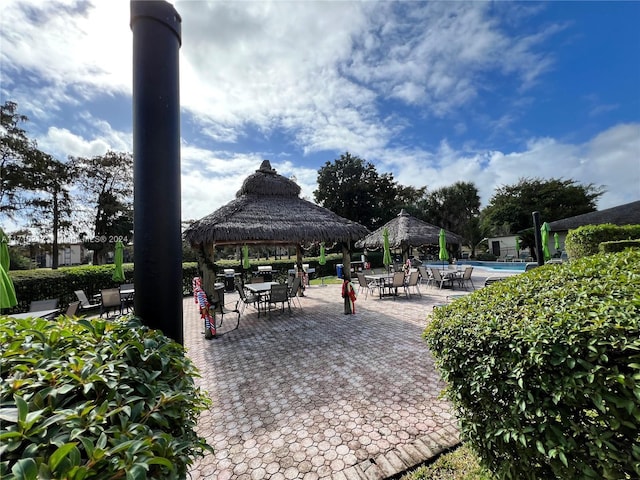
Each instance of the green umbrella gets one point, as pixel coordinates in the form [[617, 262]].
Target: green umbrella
[[322, 260], [7, 290], [246, 264], [544, 233], [118, 273], [386, 259], [517, 246], [556, 241], [442, 240]]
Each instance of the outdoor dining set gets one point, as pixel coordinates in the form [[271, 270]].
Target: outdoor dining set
[[402, 282], [264, 296], [108, 300]]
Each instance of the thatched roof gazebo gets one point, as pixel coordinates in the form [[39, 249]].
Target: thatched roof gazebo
[[268, 210], [406, 231]]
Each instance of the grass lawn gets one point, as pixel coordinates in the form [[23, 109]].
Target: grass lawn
[[459, 464], [327, 281]]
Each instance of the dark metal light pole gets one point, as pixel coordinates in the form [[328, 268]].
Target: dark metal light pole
[[156, 166]]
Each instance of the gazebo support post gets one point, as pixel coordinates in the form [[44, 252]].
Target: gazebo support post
[[346, 284], [299, 269], [205, 256]]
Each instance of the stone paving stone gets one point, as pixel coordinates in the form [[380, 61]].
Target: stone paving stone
[[319, 394]]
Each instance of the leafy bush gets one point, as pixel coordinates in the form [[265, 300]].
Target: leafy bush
[[619, 246], [459, 464], [584, 241], [93, 399], [543, 369]]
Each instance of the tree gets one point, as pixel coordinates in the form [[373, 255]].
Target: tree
[[353, 189], [51, 208], [15, 151], [455, 208], [511, 206], [107, 187]]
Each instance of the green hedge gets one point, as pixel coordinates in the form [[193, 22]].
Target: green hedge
[[543, 369], [84, 399], [620, 246], [584, 241], [61, 283]]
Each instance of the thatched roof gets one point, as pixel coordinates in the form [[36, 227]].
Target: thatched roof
[[406, 231], [627, 214], [268, 210]]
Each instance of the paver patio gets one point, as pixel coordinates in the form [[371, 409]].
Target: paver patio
[[320, 394]]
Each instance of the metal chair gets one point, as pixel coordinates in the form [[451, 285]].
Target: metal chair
[[110, 300], [294, 289], [414, 278], [245, 300], [72, 309], [466, 278], [439, 278], [279, 294], [398, 281]]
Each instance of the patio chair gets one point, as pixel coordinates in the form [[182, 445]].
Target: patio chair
[[245, 300], [466, 278], [294, 289], [72, 309], [425, 276], [414, 278], [127, 298], [84, 301], [40, 305], [365, 286], [397, 282], [279, 294], [439, 278], [110, 300]]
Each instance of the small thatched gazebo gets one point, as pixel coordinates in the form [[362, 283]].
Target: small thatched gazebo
[[406, 231], [268, 211]]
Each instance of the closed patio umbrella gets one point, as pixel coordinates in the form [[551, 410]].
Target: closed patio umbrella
[[442, 240], [517, 247], [544, 234], [322, 261], [386, 258], [246, 264], [7, 292], [118, 272], [556, 241]]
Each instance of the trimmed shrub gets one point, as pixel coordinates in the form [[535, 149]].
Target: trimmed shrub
[[620, 246], [94, 399], [584, 241], [543, 369]]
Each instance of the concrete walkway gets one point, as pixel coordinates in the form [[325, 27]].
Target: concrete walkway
[[319, 394]]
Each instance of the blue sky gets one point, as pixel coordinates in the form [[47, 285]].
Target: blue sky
[[433, 92]]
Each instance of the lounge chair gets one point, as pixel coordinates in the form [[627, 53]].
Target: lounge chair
[[41, 305], [84, 301], [110, 300], [294, 289]]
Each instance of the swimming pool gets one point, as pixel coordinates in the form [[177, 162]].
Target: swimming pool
[[512, 267]]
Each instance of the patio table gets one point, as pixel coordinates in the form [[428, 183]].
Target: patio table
[[383, 280], [261, 289]]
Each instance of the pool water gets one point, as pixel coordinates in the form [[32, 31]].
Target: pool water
[[518, 267]]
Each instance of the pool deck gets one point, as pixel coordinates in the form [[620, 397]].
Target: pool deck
[[319, 394]]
